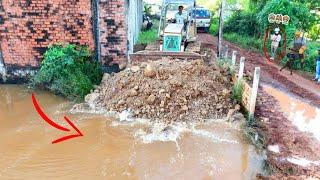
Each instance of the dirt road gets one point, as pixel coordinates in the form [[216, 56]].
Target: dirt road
[[274, 125], [296, 84]]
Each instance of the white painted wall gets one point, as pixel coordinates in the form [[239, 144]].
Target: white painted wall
[[134, 10]]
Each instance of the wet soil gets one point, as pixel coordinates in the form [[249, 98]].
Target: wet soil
[[273, 123], [296, 84], [168, 90]]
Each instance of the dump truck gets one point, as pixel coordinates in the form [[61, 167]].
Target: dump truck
[[177, 40]]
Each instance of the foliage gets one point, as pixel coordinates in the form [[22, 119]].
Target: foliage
[[310, 58], [147, 9], [146, 37], [242, 22], [214, 26], [149, 36], [68, 70], [314, 32], [300, 16], [251, 43], [237, 91]]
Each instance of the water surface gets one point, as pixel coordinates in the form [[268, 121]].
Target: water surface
[[114, 150]]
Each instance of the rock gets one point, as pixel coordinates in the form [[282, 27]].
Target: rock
[[237, 107], [135, 69], [105, 77], [151, 99], [226, 93], [92, 98], [168, 96], [184, 108], [136, 88], [150, 71], [133, 93], [121, 102], [122, 65], [162, 104], [162, 91], [231, 113]]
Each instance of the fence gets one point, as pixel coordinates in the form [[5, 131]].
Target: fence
[[249, 95]]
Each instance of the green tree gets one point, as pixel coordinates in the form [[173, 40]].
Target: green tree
[[300, 16]]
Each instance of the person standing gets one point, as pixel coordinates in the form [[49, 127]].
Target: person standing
[[180, 17], [317, 78], [297, 51], [275, 40]]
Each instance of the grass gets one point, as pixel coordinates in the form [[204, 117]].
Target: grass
[[246, 42], [146, 37], [150, 36], [237, 91]]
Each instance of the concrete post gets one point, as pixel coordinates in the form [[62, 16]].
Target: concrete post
[[240, 76], [254, 92], [234, 58]]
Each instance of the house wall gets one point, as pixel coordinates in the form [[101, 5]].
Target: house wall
[[112, 31], [27, 27]]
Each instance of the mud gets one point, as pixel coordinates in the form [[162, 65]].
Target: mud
[[291, 142], [296, 84], [292, 154], [168, 90]]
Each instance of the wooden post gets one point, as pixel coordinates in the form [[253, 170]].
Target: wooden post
[[254, 92], [220, 36], [241, 69], [234, 58], [227, 51]]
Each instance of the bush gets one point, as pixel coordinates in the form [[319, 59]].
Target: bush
[[214, 27], [242, 22], [300, 16], [311, 54], [68, 70]]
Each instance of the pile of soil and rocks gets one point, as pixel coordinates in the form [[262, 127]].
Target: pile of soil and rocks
[[168, 89]]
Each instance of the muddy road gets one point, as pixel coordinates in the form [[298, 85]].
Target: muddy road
[[296, 84], [288, 110]]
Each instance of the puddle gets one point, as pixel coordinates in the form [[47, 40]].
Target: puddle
[[303, 115]]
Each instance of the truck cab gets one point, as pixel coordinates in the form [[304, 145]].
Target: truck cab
[[203, 18]]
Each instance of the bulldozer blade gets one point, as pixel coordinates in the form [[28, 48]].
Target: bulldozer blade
[[143, 56]]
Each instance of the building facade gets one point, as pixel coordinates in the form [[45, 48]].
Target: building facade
[[27, 27]]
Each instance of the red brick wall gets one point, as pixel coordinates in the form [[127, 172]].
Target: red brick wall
[[27, 27], [112, 25]]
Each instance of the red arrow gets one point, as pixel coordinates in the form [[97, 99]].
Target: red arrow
[[52, 123]]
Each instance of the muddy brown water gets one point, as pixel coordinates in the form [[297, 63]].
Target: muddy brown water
[[302, 114], [111, 149]]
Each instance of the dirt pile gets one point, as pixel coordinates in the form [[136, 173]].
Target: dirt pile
[[168, 90]]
